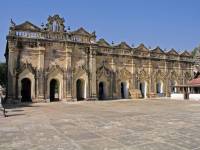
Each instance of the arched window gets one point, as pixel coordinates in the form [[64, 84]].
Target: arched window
[[55, 26]]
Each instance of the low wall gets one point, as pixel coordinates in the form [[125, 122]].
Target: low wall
[[177, 96], [195, 97]]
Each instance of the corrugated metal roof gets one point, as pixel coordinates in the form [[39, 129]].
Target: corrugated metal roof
[[194, 81]]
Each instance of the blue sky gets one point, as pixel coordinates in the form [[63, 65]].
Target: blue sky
[[164, 23]]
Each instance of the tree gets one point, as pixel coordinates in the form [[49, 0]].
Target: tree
[[194, 51], [3, 74]]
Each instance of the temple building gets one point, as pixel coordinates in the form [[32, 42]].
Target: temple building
[[50, 63]]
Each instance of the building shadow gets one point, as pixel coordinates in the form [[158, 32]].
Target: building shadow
[[20, 105], [16, 109], [13, 115]]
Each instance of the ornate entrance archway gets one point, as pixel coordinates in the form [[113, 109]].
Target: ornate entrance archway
[[26, 90], [54, 90], [80, 89]]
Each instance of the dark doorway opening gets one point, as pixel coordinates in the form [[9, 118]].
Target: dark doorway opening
[[101, 91], [142, 89], [26, 90], [173, 89], [122, 90], [80, 90], [54, 90], [158, 88]]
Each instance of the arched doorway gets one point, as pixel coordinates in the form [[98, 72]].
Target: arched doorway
[[143, 89], [80, 89], [173, 88], [26, 90], [124, 90], [102, 91], [159, 88], [54, 90]]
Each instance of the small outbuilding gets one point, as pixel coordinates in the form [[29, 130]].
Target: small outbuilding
[[190, 91]]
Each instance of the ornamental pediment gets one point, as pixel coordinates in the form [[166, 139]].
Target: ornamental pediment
[[172, 52], [185, 53], [158, 50], [103, 42], [125, 74], [173, 74], [54, 68], [160, 75], [27, 26], [123, 45], [79, 71], [157, 53], [142, 48], [82, 31], [103, 71], [26, 66]]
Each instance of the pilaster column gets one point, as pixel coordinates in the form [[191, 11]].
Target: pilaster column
[[69, 78], [113, 81], [151, 84], [46, 96], [16, 87], [36, 86], [11, 85], [40, 85], [65, 85], [92, 73]]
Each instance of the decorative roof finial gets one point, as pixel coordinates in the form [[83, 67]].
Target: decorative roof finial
[[68, 28], [42, 25], [94, 33], [13, 24]]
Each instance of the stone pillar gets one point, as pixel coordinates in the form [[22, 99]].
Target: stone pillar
[[69, 78], [36, 87], [65, 86], [165, 83], [113, 79], [11, 62], [16, 87], [152, 84], [40, 86], [40, 79], [133, 75], [46, 97], [168, 89], [114, 75], [149, 88], [92, 74]]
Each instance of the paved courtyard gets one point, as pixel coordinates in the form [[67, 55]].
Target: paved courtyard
[[107, 125]]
